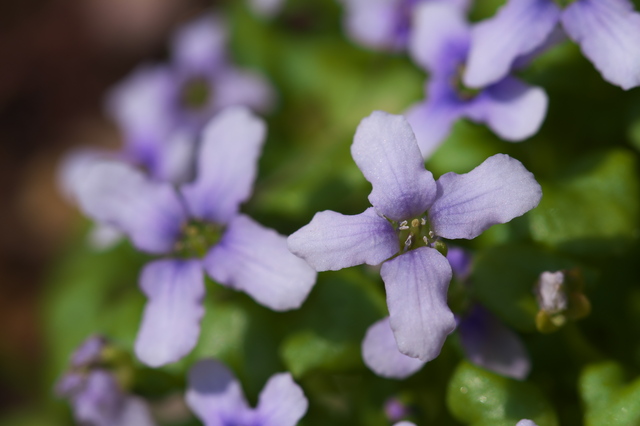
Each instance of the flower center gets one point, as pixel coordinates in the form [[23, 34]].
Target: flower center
[[416, 233], [465, 93], [197, 238], [196, 93]]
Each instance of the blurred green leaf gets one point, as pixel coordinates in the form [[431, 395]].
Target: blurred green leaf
[[480, 398], [593, 208], [609, 399]]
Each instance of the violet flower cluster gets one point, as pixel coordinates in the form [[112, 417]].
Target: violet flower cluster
[[411, 213]]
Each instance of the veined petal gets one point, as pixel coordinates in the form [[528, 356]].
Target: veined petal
[[281, 403], [416, 283], [199, 46], [381, 354], [512, 109], [386, 151], [517, 29], [227, 165], [118, 195], [432, 120], [215, 395], [608, 32], [440, 39], [256, 260], [490, 344], [171, 321], [332, 241], [496, 191]]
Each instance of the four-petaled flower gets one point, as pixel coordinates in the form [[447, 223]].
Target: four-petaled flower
[[608, 32], [410, 213], [216, 397], [198, 227]]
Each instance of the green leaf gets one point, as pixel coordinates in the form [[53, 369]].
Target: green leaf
[[480, 398], [592, 208], [504, 277], [608, 399]]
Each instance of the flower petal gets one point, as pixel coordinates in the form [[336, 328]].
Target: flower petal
[[256, 260], [242, 87], [460, 261], [608, 32], [381, 354], [432, 120], [118, 195], [171, 321], [526, 422], [373, 23], [281, 403], [496, 191], [386, 151], [135, 412], [215, 395], [199, 46], [512, 109], [517, 29], [227, 165], [416, 283], [332, 241], [440, 39], [490, 344], [99, 401]]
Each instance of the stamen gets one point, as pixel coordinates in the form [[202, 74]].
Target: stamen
[[403, 225], [415, 223], [407, 243], [423, 221]]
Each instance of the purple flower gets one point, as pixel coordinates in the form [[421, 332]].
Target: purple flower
[[608, 32], [485, 340], [162, 108], [384, 24], [95, 395], [410, 213], [441, 43], [215, 396], [266, 8], [395, 409], [197, 227], [526, 422]]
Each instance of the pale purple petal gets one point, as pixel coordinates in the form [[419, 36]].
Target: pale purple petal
[[176, 158], [460, 261], [372, 23], [103, 237], [440, 39], [89, 352], [215, 395], [386, 151], [526, 422], [199, 46], [432, 120], [227, 165], [517, 29], [171, 321], [118, 195], [234, 86], [381, 354], [256, 260], [332, 241], [266, 8], [281, 403], [135, 412], [416, 283], [496, 191], [608, 32], [512, 109], [490, 344], [100, 400], [405, 424], [74, 166]]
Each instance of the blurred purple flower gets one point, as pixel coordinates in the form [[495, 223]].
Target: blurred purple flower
[[608, 32], [526, 422], [162, 108], [266, 8], [410, 213], [216, 397], [95, 395], [485, 340], [384, 24], [440, 43], [199, 226]]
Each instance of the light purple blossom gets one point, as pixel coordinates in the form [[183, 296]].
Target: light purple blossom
[[608, 32], [440, 43], [95, 395], [411, 212], [395, 409], [526, 422], [216, 397], [161, 108], [266, 8], [551, 292], [197, 227], [384, 24], [484, 339]]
